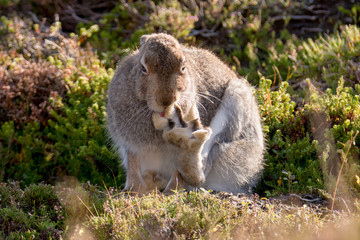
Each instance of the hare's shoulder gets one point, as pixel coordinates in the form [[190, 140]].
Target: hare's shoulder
[[207, 64]]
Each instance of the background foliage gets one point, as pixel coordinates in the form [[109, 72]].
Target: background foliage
[[53, 90], [56, 60]]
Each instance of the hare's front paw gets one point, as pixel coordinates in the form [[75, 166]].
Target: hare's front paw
[[160, 123], [188, 138]]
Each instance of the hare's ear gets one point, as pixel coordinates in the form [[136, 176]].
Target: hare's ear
[[143, 39]]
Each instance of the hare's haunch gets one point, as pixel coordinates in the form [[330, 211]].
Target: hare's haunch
[[181, 118]]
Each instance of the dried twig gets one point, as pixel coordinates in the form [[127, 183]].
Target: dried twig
[[133, 12], [309, 29], [72, 13], [305, 199], [203, 32], [295, 17]]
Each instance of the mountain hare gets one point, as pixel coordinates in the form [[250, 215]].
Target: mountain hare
[[181, 118]]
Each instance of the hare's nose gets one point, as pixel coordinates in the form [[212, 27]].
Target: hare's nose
[[167, 100]]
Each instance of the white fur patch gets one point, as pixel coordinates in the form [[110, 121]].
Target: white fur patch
[[217, 125], [156, 158]]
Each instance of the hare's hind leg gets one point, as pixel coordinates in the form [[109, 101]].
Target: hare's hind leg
[[234, 153], [190, 143]]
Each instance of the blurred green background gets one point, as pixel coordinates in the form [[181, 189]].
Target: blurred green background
[[57, 58]]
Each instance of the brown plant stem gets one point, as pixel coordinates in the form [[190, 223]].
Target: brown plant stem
[[341, 168]]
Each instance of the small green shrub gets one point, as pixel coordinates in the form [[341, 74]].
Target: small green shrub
[[33, 213], [297, 139], [291, 158]]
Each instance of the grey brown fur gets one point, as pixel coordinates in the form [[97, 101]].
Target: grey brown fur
[[225, 154]]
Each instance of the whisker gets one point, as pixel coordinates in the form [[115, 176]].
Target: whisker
[[143, 114], [201, 105], [210, 95], [183, 103], [135, 115], [205, 97]]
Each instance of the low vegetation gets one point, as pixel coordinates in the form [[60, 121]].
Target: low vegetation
[[61, 178]]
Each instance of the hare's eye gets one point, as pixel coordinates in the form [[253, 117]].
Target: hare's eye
[[183, 68], [143, 69]]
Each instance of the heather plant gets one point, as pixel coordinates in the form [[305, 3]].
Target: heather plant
[[120, 30], [58, 129], [110, 36], [28, 87]]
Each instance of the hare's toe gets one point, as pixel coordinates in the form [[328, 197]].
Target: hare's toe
[[198, 139], [202, 134], [185, 139]]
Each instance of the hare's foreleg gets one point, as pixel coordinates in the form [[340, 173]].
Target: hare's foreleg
[[133, 179], [141, 182]]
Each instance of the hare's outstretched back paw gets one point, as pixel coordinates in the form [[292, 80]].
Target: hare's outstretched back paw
[[188, 135]]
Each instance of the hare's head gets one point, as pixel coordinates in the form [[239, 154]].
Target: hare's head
[[164, 80]]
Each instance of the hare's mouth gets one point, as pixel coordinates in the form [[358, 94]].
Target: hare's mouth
[[169, 111], [163, 111]]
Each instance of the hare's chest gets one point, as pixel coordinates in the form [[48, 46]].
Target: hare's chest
[[160, 159]]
